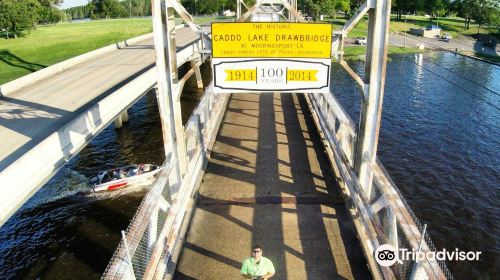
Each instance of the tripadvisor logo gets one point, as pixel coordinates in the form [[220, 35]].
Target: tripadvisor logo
[[387, 255]]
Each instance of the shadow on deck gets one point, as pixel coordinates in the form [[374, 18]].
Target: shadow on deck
[[268, 182]]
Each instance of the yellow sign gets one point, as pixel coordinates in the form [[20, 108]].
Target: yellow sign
[[280, 39], [292, 75], [234, 75], [301, 75]]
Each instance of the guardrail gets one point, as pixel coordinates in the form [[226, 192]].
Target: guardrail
[[383, 216], [27, 80], [154, 237]]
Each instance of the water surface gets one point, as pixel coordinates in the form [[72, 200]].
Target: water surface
[[65, 231], [440, 142]]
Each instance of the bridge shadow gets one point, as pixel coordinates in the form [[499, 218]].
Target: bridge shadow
[[85, 242], [269, 183], [482, 48], [15, 61], [36, 121]]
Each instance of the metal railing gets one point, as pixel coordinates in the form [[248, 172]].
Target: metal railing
[[156, 231], [382, 216], [150, 246]]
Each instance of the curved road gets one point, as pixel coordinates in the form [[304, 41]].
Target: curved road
[[32, 113]]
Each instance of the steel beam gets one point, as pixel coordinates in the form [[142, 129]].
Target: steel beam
[[173, 142], [47, 157], [371, 108]]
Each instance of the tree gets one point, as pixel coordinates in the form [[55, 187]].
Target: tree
[[49, 15], [108, 9], [401, 7], [344, 6], [17, 16], [485, 12], [211, 6], [327, 7], [481, 11], [141, 8], [48, 11], [436, 8]]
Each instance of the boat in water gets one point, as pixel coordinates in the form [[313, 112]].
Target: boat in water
[[137, 174]]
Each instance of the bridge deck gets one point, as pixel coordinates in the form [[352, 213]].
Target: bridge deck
[[32, 113], [268, 182]]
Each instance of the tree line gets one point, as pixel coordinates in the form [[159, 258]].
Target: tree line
[[21, 16], [103, 9], [18, 17], [483, 12]]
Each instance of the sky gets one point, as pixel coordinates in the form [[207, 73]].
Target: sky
[[72, 3]]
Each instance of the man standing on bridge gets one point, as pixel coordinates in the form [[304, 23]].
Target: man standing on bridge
[[257, 266]]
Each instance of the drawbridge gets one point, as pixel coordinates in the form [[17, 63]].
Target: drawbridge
[[286, 169]]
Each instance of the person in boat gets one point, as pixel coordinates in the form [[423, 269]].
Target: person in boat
[[145, 168], [257, 266]]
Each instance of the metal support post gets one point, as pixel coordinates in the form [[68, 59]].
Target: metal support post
[[294, 5], [171, 138], [405, 32], [371, 108], [197, 71], [416, 266], [289, 14], [129, 259], [238, 9], [392, 228], [124, 115], [118, 121], [179, 128]]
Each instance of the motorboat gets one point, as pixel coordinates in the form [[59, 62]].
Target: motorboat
[[137, 174]]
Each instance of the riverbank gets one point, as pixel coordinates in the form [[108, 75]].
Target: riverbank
[[398, 44], [461, 45], [462, 42], [356, 52], [439, 142]]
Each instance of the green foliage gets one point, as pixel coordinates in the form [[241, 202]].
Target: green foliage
[[48, 15], [213, 6], [324, 7], [80, 12], [108, 9], [436, 8], [343, 6], [17, 16], [141, 8], [102, 9], [481, 11], [50, 44]]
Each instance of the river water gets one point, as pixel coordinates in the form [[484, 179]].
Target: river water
[[66, 232], [439, 141]]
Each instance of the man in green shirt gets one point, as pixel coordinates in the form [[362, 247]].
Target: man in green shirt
[[257, 266]]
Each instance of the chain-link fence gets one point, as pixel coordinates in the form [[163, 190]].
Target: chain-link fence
[[382, 214], [148, 243]]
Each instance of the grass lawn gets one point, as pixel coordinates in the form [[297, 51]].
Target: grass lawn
[[495, 59], [452, 26], [354, 52], [50, 44]]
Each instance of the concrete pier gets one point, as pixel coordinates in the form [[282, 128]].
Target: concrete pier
[[268, 183], [120, 119]]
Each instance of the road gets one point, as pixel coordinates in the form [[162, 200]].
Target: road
[[32, 113], [460, 44]]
